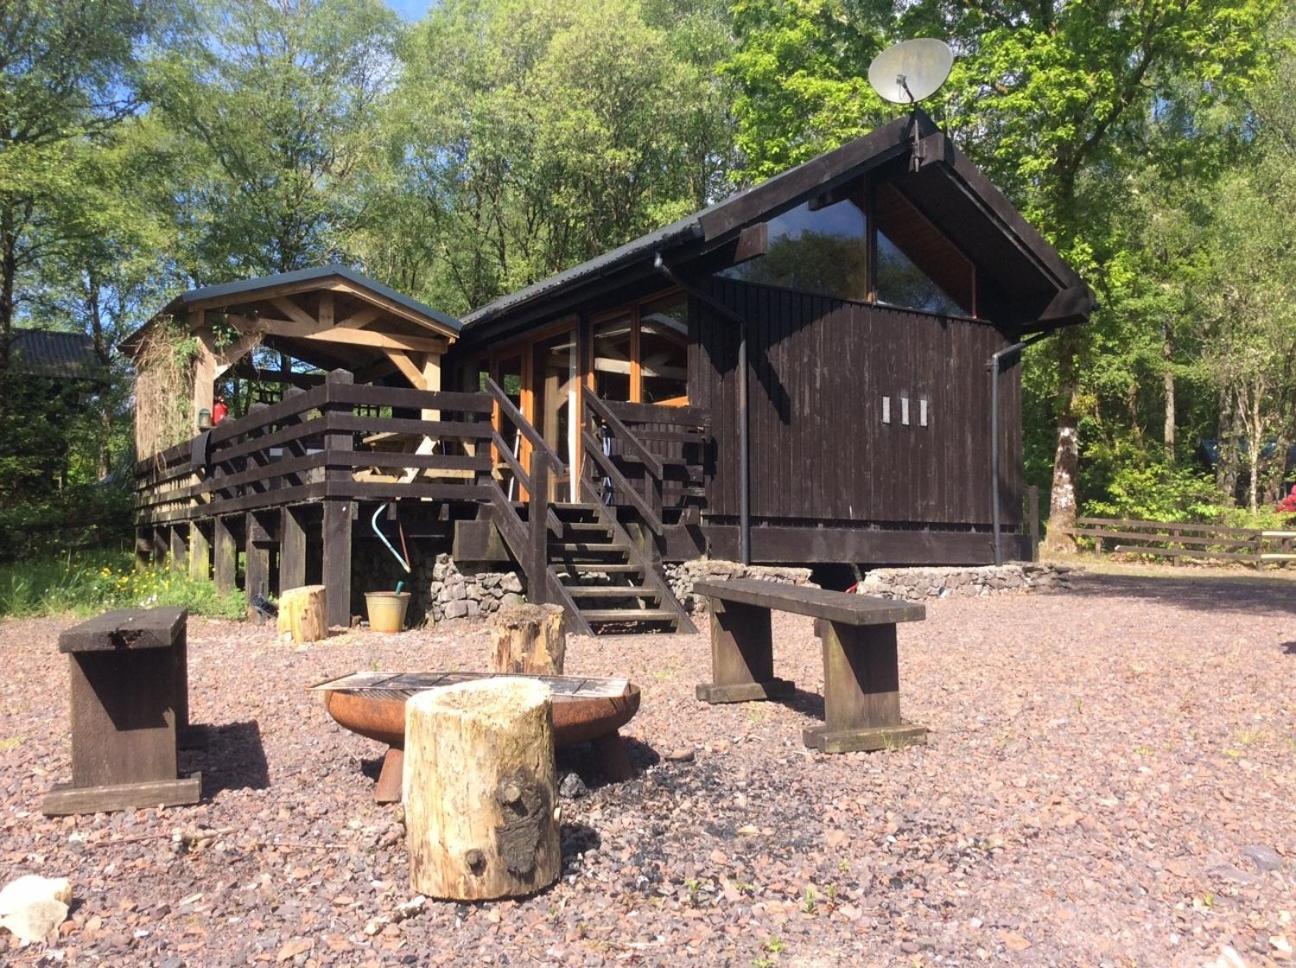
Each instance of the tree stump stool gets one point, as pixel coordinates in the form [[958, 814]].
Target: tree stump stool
[[528, 639], [130, 697], [481, 790], [303, 614]]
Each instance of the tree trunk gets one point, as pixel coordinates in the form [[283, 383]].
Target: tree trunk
[[1168, 380], [528, 638], [481, 790], [303, 613], [1066, 459]]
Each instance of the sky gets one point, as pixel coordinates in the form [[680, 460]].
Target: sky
[[410, 9]]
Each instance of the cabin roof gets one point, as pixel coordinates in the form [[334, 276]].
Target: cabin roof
[[1039, 286], [54, 354]]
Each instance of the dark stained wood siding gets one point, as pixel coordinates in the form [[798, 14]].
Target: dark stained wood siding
[[820, 452]]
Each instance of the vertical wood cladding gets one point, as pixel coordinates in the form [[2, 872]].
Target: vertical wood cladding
[[819, 449]]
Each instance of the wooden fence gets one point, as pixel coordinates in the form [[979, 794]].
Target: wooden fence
[[1189, 541]]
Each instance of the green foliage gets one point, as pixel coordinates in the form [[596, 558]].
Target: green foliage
[[93, 581], [88, 515], [1156, 492]]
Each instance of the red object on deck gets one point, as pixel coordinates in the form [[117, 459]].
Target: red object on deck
[[219, 411]]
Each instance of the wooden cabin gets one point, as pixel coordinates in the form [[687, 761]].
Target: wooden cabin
[[822, 369]]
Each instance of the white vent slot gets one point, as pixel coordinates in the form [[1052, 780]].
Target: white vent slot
[[886, 410], [904, 411], [922, 411]]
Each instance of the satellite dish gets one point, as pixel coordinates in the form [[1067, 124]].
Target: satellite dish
[[911, 70]]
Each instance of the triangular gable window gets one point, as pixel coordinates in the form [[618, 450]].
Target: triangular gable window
[[823, 249]]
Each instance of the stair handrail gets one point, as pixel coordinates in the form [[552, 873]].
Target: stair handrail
[[648, 504]]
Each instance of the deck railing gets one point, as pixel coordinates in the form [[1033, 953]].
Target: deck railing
[[321, 443], [648, 456]]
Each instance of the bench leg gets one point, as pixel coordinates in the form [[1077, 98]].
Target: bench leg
[[861, 692], [742, 656]]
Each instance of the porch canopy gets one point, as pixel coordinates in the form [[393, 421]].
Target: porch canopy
[[329, 317]]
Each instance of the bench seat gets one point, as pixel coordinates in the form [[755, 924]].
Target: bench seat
[[861, 668]]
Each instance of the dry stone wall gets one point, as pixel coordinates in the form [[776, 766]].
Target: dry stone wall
[[682, 576], [915, 584], [452, 594]]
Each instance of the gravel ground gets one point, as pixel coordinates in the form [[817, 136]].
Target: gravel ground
[[1109, 781]]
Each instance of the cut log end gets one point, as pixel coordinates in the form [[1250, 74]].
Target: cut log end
[[480, 790], [303, 613], [529, 639]]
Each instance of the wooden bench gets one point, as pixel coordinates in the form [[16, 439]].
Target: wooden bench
[[130, 698], [861, 673]]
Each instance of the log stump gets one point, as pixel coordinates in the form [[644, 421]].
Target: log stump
[[303, 614], [481, 790], [528, 639]]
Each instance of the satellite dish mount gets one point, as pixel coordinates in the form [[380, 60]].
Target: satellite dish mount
[[909, 72]]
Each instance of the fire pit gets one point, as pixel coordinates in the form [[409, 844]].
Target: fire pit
[[585, 710]]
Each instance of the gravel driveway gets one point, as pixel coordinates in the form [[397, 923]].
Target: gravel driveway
[[1111, 779]]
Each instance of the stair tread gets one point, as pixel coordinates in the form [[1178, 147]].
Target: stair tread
[[586, 546], [628, 615], [598, 566], [611, 591]]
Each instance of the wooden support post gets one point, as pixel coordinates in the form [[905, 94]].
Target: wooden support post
[[225, 556], [528, 638], [338, 515], [480, 790], [143, 546], [861, 692], [199, 552], [179, 560], [161, 544], [256, 551], [742, 655], [337, 561], [292, 549]]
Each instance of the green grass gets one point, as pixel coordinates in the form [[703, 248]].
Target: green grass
[[91, 581]]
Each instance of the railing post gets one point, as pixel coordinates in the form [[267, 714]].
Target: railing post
[[538, 522]]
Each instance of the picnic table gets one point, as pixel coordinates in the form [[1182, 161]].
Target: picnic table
[[861, 669]]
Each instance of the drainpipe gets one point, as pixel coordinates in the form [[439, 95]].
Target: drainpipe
[[994, 365], [744, 441]]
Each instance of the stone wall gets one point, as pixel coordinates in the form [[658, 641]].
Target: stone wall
[[680, 577], [915, 584], [454, 595]]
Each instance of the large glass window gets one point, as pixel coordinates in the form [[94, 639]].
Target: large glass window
[[814, 249], [823, 249], [917, 266], [663, 350]]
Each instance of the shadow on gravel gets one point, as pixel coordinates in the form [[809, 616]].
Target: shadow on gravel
[[1206, 594], [232, 757], [807, 703], [1289, 648]]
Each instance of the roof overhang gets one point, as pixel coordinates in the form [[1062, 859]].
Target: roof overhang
[[1034, 288]]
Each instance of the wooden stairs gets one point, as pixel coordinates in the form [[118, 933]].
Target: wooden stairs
[[612, 584]]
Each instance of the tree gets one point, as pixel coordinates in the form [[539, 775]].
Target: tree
[[527, 135], [279, 103], [69, 75]]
